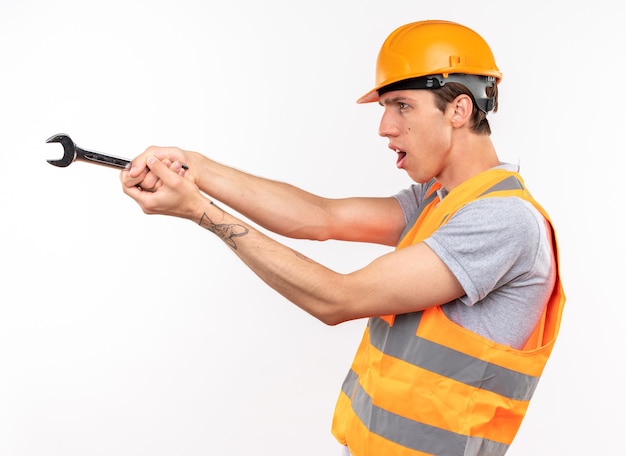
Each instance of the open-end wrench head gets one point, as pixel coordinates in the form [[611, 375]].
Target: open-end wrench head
[[69, 150]]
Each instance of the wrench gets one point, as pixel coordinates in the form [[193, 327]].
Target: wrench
[[72, 152]]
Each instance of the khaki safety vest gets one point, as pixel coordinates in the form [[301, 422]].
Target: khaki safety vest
[[422, 385]]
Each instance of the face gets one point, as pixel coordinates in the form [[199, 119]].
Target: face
[[417, 131]]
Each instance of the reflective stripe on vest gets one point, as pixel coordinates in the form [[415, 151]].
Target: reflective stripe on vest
[[412, 434], [422, 385], [446, 361]]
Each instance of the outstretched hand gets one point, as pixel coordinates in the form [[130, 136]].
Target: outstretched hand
[[163, 187], [139, 174]]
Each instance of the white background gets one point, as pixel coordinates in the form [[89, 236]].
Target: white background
[[127, 334]]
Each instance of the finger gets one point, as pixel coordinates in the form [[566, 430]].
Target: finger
[[139, 165], [131, 179], [150, 182], [163, 153], [160, 170], [179, 168], [176, 156], [134, 191]]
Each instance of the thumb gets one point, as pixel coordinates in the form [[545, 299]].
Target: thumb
[[159, 168]]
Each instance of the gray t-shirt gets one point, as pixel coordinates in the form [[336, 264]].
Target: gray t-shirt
[[500, 251]]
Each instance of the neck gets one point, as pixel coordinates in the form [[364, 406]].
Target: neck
[[469, 157]]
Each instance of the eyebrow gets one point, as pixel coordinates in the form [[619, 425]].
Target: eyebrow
[[399, 99]]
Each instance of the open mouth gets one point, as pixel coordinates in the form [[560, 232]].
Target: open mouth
[[401, 157]]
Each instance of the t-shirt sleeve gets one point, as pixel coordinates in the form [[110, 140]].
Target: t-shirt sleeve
[[488, 243], [410, 200]]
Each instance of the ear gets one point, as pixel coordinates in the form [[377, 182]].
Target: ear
[[461, 110]]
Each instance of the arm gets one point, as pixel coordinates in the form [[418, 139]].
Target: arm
[[408, 280], [280, 207]]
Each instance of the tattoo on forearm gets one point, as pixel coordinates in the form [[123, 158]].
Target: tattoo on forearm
[[226, 232]]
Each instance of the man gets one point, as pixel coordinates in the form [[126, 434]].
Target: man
[[463, 314]]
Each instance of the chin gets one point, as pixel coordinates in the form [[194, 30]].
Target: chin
[[420, 179]]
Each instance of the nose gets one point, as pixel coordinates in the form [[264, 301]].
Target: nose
[[387, 127]]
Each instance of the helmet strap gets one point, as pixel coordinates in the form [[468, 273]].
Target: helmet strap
[[476, 84]]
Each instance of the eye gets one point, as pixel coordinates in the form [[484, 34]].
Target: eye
[[402, 106]]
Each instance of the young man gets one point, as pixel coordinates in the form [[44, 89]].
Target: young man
[[463, 314]]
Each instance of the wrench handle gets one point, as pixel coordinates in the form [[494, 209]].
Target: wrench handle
[[101, 159]]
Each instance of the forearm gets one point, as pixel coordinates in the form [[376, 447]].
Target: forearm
[[309, 285], [386, 286], [276, 206], [296, 213]]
